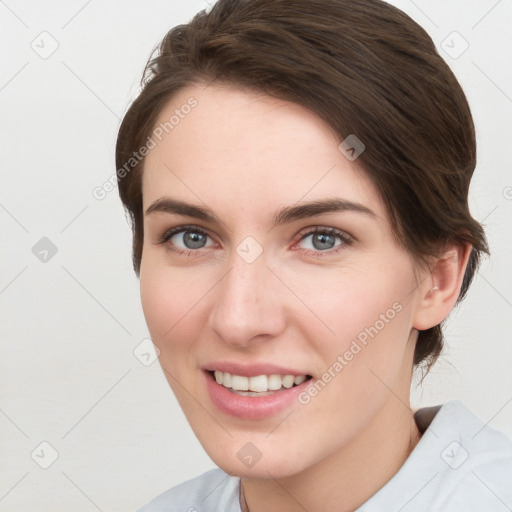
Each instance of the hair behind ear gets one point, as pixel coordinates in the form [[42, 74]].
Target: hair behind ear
[[472, 266], [429, 347]]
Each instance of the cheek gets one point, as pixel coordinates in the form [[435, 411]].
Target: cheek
[[158, 304], [367, 317], [170, 299], [172, 309], [371, 316], [355, 303]]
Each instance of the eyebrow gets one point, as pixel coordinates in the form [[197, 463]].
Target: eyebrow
[[282, 216]]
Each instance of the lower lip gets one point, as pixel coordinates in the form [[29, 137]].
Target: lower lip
[[251, 407]]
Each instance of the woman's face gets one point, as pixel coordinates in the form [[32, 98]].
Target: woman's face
[[253, 282]]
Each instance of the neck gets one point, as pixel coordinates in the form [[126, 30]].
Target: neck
[[344, 480]]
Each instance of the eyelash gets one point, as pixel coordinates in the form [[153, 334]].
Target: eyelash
[[345, 239], [178, 229]]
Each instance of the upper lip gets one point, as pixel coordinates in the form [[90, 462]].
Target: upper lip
[[251, 370]]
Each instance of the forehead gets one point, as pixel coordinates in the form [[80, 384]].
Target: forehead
[[250, 149]]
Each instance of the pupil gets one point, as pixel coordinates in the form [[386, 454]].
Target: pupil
[[193, 240], [324, 241]]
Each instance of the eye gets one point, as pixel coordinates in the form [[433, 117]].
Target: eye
[[325, 240], [185, 239]]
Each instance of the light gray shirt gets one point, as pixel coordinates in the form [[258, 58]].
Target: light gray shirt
[[459, 465]]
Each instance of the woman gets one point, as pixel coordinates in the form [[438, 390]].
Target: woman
[[297, 175]]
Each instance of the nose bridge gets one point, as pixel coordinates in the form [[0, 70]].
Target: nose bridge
[[245, 306], [244, 280]]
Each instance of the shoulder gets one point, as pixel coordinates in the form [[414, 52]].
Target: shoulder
[[478, 462], [213, 490], [472, 441], [461, 464]]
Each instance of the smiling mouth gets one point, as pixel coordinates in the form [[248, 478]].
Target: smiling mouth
[[260, 385]]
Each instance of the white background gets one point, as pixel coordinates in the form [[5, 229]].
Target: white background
[[68, 374]]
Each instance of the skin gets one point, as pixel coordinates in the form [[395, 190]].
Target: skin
[[245, 155]]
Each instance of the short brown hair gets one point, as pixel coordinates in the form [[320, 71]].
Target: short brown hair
[[363, 66]]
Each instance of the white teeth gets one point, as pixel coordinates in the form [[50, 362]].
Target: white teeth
[[259, 383], [274, 382], [299, 379], [239, 382], [288, 381]]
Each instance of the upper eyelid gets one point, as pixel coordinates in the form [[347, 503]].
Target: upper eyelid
[[307, 230], [323, 229], [168, 233]]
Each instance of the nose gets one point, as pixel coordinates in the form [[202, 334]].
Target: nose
[[248, 304]]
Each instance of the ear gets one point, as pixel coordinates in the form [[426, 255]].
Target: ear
[[440, 287]]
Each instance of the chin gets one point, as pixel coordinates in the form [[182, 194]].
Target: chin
[[256, 459], [261, 469]]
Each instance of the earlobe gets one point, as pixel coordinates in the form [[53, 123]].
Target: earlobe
[[440, 289]]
